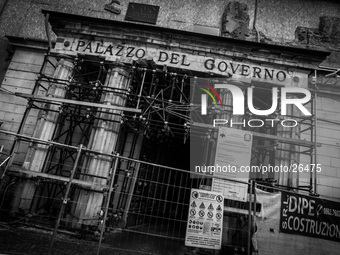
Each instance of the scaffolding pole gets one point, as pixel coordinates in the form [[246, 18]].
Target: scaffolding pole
[[250, 216], [315, 130], [65, 199], [107, 203]]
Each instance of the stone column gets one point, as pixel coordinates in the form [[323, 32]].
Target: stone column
[[103, 139], [44, 129], [123, 195]]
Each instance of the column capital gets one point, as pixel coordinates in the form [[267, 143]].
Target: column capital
[[121, 69], [66, 62]]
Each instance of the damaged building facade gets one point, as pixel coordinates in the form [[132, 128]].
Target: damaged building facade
[[99, 110]]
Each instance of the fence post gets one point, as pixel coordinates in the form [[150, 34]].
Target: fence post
[[254, 218], [250, 217], [65, 199], [107, 203]]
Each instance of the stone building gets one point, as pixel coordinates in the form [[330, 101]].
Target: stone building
[[99, 95]]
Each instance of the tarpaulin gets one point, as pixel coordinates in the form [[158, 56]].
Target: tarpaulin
[[270, 240]]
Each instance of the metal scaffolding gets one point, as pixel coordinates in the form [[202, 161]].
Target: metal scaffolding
[[158, 108]]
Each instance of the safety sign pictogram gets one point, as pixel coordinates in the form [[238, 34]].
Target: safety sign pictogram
[[205, 220]]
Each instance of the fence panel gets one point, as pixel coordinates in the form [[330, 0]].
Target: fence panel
[[147, 212]]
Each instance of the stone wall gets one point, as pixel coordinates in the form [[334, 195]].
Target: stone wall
[[277, 19], [304, 23], [276, 22]]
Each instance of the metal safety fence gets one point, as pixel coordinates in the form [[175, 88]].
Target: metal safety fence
[[143, 208]]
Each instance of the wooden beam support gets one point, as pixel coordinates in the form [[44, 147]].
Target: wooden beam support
[[30, 174]]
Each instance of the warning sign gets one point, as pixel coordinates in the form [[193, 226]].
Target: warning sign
[[201, 213], [204, 228], [210, 215], [218, 216], [192, 212]]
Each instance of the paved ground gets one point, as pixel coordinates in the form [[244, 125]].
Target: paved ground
[[32, 241]]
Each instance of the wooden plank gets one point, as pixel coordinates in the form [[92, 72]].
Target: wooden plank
[[67, 101], [84, 184]]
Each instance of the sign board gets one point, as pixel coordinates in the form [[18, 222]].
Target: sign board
[[205, 220], [230, 190], [115, 50], [142, 13], [309, 216], [233, 154]]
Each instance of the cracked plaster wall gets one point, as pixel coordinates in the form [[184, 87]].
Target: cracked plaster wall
[[277, 19]]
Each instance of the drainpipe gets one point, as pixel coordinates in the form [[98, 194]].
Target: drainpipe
[[254, 22], [47, 29]]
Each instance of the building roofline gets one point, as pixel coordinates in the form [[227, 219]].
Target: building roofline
[[322, 54], [33, 43]]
